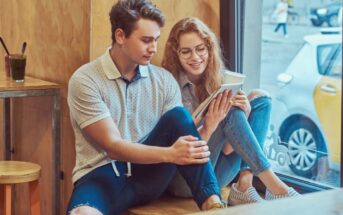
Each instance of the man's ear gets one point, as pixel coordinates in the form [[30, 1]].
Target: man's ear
[[119, 35]]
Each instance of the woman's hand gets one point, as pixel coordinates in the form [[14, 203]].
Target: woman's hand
[[241, 101], [217, 111]]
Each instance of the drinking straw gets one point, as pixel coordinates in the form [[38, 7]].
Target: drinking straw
[[4, 45], [23, 48]]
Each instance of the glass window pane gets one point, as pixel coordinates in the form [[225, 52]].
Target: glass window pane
[[326, 55], [301, 66], [335, 69]]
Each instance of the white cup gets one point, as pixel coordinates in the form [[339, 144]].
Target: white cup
[[233, 77]]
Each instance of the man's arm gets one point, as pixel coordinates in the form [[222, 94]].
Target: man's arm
[[186, 150]]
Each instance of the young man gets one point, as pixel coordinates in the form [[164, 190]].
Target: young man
[[131, 132]]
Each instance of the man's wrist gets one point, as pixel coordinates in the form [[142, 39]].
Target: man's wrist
[[165, 153]]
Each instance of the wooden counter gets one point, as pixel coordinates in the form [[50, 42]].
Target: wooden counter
[[33, 87]]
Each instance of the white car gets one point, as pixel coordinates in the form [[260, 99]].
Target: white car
[[307, 106]]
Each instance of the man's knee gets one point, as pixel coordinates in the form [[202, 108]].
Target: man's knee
[[177, 112], [178, 115], [256, 93], [85, 210]]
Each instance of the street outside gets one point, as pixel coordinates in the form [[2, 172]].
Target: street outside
[[277, 53]]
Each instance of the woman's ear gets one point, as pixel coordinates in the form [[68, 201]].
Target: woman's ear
[[119, 34]]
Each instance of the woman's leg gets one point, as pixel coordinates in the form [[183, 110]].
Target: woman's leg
[[284, 27], [277, 27], [239, 134], [226, 167], [259, 121]]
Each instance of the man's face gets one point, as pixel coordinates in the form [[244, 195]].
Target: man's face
[[141, 45]]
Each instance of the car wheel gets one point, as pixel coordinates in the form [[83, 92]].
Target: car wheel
[[333, 20], [316, 22], [303, 140]]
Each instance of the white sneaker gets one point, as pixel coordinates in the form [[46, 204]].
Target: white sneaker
[[237, 197], [291, 193]]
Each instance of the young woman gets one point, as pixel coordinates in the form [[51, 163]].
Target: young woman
[[235, 126]]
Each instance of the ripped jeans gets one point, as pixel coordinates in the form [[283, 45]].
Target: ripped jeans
[[112, 194], [246, 137]]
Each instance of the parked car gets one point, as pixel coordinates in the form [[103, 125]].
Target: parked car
[[328, 14], [307, 106]]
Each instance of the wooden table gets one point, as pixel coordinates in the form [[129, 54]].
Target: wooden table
[[30, 88], [328, 202]]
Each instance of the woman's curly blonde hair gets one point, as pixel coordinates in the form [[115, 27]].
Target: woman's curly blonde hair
[[211, 78]]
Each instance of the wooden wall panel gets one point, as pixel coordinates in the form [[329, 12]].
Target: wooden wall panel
[[174, 10], [57, 33], [62, 35]]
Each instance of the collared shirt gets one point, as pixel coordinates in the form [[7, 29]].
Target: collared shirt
[[97, 90], [189, 99]]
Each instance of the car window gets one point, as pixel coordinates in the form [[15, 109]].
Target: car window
[[325, 56], [335, 69]]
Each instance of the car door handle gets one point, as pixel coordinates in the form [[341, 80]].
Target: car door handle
[[328, 88]]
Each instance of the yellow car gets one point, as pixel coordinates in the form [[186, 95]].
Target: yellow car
[[307, 106]]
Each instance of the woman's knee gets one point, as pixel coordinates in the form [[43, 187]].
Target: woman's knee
[[85, 210], [257, 93]]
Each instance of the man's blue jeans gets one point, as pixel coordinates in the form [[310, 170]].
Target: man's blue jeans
[[111, 194], [246, 137]]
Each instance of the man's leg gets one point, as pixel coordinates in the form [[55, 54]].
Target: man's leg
[[99, 192], [149, 181]]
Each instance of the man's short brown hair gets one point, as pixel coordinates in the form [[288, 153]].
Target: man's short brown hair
[[126, 13]]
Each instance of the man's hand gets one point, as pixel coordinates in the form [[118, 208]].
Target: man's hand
[[189, 150]]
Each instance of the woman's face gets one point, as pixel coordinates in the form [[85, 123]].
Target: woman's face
[[193, 55]]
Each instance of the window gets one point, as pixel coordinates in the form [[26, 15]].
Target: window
[[301, 68], [335, 68], [327, 55], [305, 130]]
